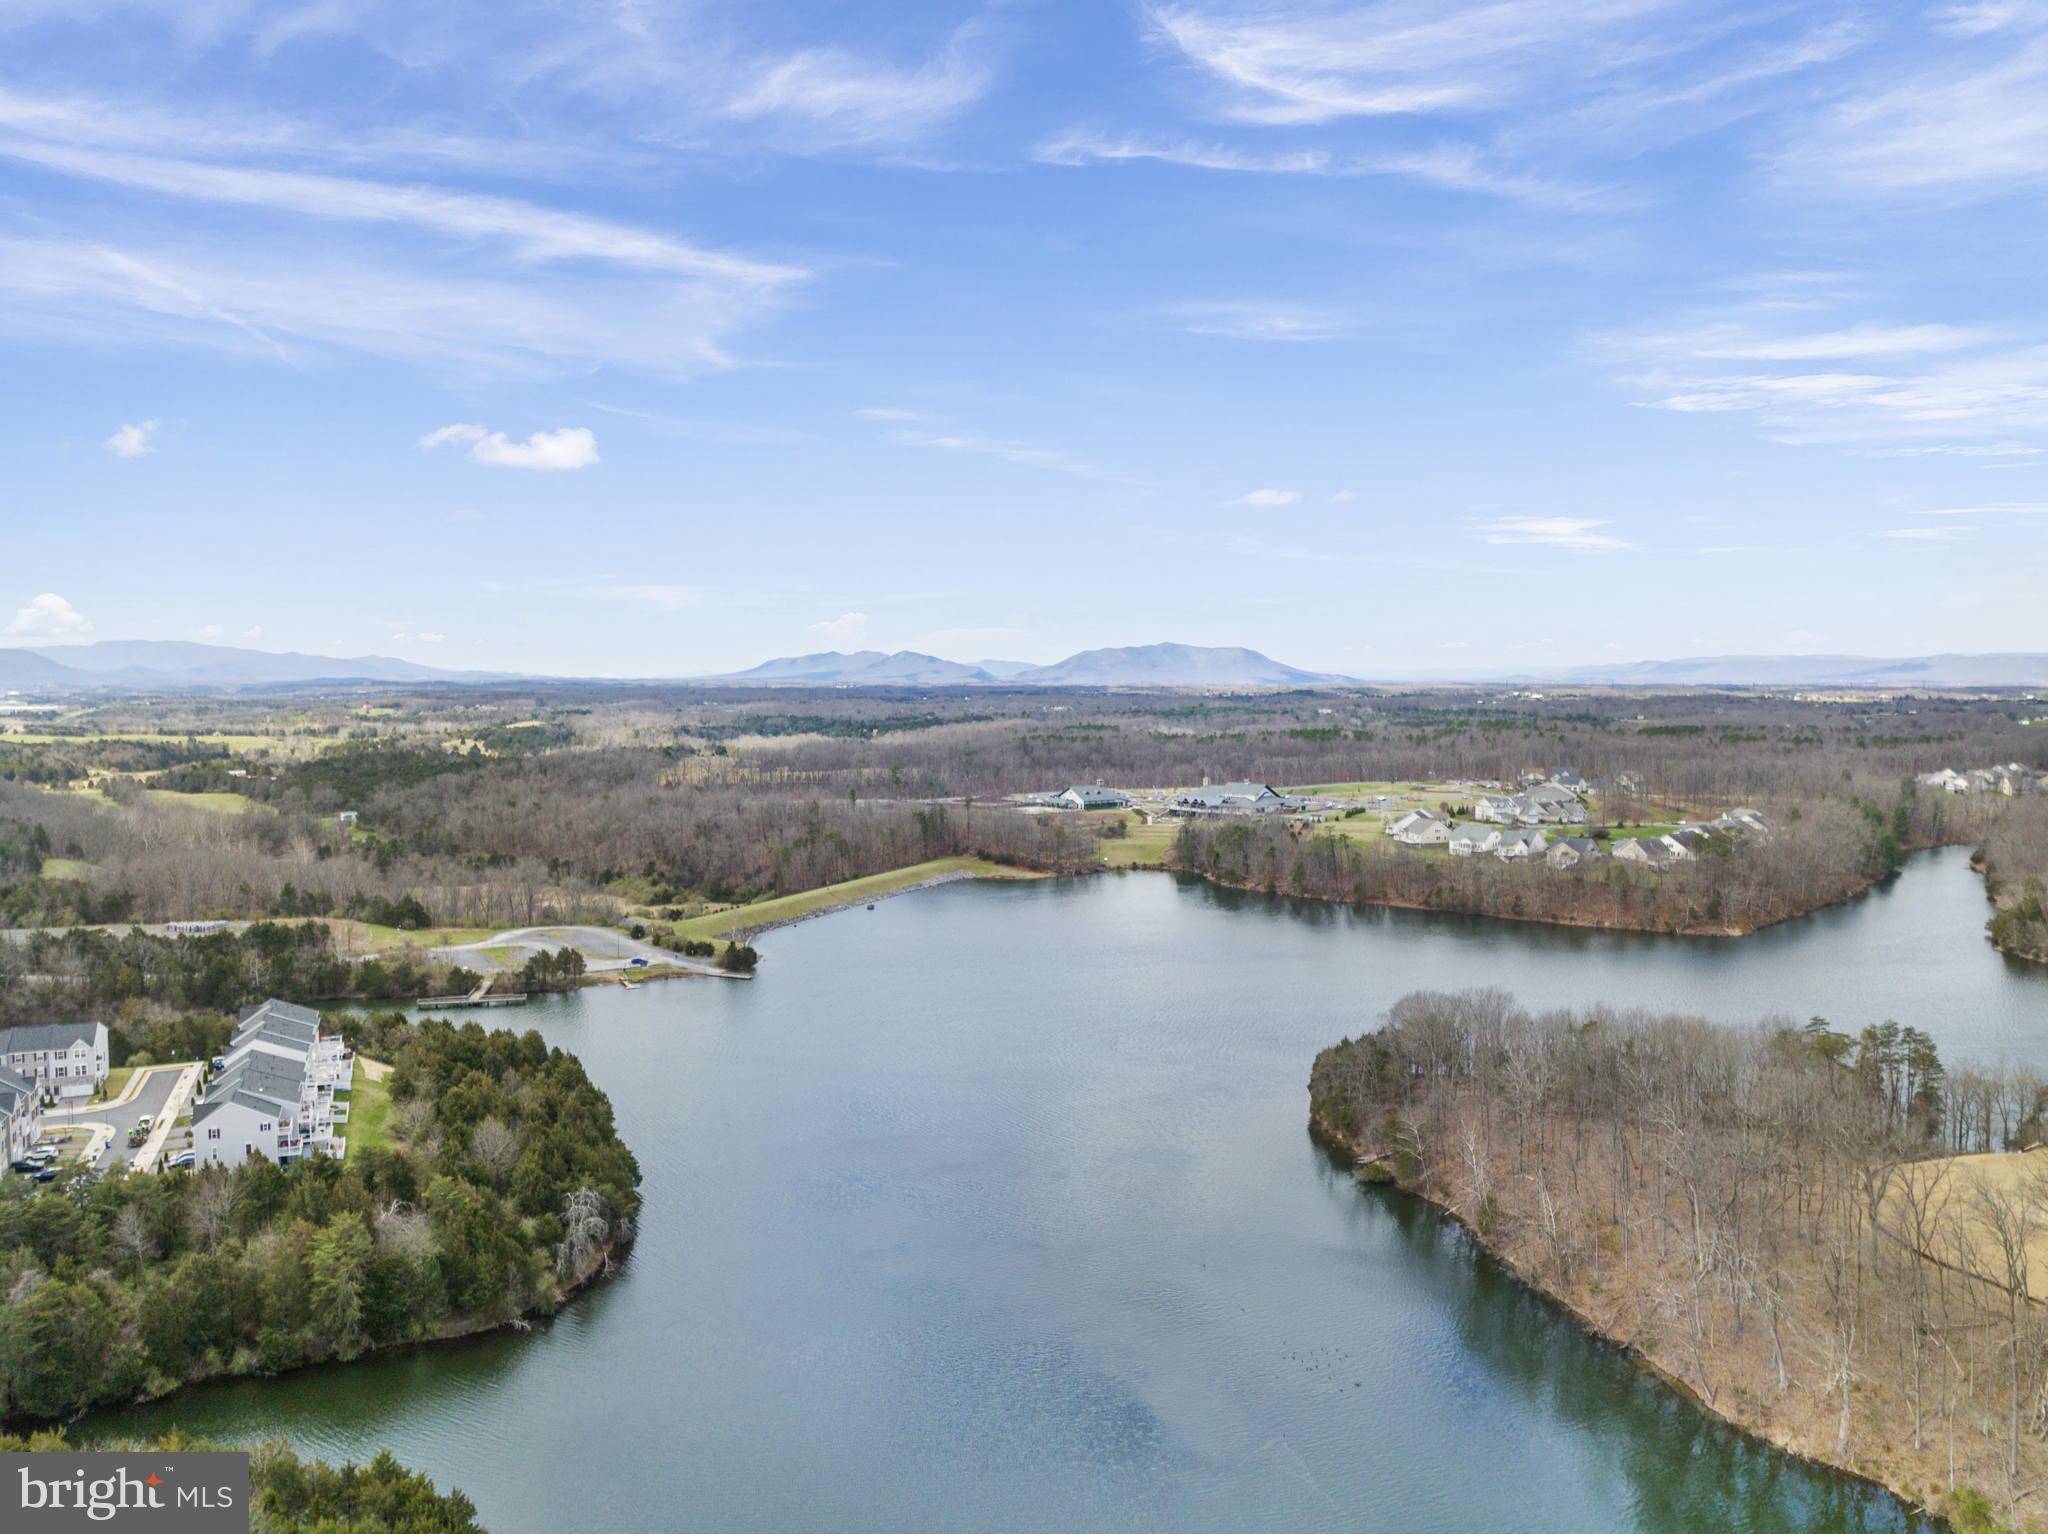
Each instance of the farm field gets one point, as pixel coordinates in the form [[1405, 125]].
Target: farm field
[[1960, 1182], [216, 804]]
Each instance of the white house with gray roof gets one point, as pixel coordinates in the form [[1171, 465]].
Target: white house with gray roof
[[64, 1061], [1518, 846], [274, 1094], [1419, 828], [1469, 840]]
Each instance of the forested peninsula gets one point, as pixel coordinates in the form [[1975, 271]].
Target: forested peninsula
[[1825, 1240], [496, 1187]]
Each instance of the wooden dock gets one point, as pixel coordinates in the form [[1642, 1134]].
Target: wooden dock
[[480, 997]]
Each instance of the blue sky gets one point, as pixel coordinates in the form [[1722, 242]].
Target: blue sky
[[1392, 338]]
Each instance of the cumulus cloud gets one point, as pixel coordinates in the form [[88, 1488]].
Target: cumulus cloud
[[568, 447], [846, 629], [1558, 532], [1271, 497], [48, 617], [133, 439]]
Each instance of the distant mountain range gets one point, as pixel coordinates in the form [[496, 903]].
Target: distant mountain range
[[173, 665], [2008, 670], [146, 664], [1152, 665]]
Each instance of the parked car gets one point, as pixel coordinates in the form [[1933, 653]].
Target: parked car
[[183, 1158], [47, 1174], [43, 1153], [145, 1123], [639, 964], [24, 1167]]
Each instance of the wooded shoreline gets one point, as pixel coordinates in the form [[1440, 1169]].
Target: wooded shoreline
[[1334, 1141]]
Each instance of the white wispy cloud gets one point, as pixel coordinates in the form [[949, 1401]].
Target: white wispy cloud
[[842, 97], [1270, 497], [846, 629], [568, 447], [1558, 532], [529, 231], [1925, 534], [1315, 64], [1250, 320], [1924, 389], [47, 618], [132, 439], [889, 413], [1451, 166], [1024, 454], [1965, 111]]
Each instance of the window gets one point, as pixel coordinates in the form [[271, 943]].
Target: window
[[213, 1134]]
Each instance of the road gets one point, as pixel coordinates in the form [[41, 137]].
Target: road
[[604, 951]]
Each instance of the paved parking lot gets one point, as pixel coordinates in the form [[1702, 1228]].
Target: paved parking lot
[[149, 1098]]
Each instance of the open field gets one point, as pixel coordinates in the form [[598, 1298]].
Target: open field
[[358, 937], [217, 804], [1962, 1183], [786, 908], [67, 868], [1144, 847], [369, 1105]]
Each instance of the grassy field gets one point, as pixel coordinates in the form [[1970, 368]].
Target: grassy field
[[67, 868], [117, 1081], [369, 1105], [1145, 846], [367, 937], [1960, 1178], [763, 913], [217, 804]]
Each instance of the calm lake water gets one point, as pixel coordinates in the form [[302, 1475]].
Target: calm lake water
[[994, 1208]]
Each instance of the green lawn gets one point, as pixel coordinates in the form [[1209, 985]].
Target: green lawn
[[117, 1081], [218, 804], [763, 913], [1145, 846], [369, 1105]]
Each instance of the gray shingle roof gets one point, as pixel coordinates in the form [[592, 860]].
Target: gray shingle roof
[[49, 1036]]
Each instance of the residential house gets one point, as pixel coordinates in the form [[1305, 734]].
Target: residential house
[[1553, 802], [62, 1060], [1497, 809], [1091, 796], [1566, 778], [274, 1093], [1572, 852], [194, 928], [1468, 840], [1948, 780], [1652, 851], [21, 1116], [1420, 828], [1519, 846]]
